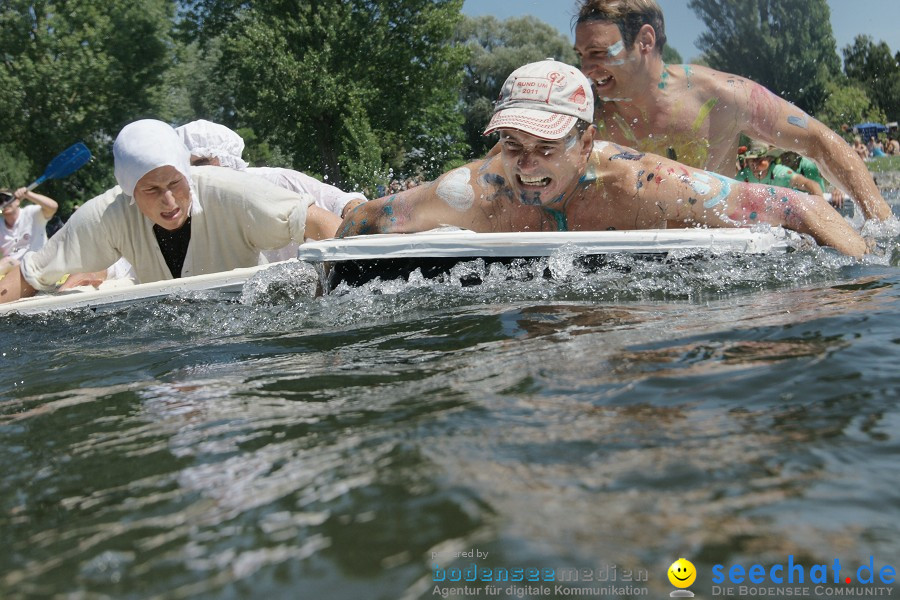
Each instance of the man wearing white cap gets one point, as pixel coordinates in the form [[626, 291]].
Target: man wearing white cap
[[551, 176], [169, 220]]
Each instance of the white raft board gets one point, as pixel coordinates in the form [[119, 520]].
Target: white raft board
[[359, 259], [441, 243], [110, 293], [460, 243]]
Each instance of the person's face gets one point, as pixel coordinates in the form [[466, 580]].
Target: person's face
[[759, 165], [604, 59], [164, 196], [12, 209], [200, 161], [542, 171]]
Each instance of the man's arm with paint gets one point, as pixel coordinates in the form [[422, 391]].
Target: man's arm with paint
[[406, 212], [451, 199], [715, 200], [780, 123]]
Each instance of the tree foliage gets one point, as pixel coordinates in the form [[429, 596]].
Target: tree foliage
[[341, 86], [847, 105], [786, 46], [79, 70], [873, 67], [671, 56], [497, 48]]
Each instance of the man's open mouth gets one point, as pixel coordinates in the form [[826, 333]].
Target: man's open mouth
[[603, 82], [534, 181]]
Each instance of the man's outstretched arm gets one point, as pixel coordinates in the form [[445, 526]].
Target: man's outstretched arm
[[702, 197], [780, 123], [417, 209]]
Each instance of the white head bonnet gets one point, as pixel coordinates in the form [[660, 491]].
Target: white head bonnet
[[146, 145], [211, 140]]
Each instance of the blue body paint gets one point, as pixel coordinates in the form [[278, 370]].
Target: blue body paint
[[627, 156], [723, 193], [562, 224], [801, 122]]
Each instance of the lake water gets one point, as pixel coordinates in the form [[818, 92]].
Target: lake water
[[732, 411]]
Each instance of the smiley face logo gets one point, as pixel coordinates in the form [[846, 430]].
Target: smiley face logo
[[682, 573]]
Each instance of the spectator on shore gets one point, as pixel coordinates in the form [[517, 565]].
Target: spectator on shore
[[809, 169], [893, 146], [24, 228], [861, 149], [760, 167]]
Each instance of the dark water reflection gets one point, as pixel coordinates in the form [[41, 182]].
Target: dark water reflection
[[328, 448]]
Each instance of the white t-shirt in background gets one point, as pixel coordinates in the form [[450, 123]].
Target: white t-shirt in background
[[28, 233]]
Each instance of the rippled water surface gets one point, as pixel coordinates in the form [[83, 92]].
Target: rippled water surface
[[724, 409]]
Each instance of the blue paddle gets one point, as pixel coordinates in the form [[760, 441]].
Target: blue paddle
[[66, 162]]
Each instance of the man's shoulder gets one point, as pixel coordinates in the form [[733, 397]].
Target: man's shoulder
[[705, 82]]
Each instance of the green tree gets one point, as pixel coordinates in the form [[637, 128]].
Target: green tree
[[671, 56], [787, 46], [847, 105], [79, 70], [340, 87], [497, 48], [873, 67]]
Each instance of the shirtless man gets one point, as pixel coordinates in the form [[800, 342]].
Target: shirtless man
[[550, 175], [694, 114]]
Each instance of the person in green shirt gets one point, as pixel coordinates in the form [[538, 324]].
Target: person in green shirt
[[810, 170], [760, 167]]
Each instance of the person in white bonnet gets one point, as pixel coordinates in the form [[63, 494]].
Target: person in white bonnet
[[550, 175], [169, 220], [214, 144]]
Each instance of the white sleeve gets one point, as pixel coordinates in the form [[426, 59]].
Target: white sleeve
[[325, 196], [81, 246]]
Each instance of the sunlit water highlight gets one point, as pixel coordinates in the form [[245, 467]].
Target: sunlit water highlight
[[279, 445]]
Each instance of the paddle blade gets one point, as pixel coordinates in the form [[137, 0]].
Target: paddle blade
[[65, 163]]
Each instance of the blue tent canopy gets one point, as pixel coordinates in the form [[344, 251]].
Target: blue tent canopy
[[876, 126], [867, 130]]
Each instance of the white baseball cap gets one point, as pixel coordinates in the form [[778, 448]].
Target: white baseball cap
[[544, 99]]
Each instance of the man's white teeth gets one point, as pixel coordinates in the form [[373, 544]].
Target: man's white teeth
[[604, 81], [534, 180]]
